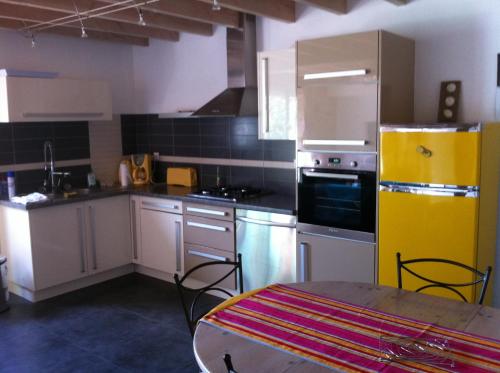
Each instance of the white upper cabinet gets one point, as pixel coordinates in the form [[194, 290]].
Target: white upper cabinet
[[36, 99], [277, 94]]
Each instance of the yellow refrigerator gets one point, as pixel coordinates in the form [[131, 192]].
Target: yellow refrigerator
[[438, 198]]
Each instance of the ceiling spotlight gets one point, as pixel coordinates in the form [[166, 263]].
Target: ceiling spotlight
[[84, 33], [216, 5], [141, 18]]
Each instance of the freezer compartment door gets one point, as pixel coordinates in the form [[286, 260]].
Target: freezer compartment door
[[426, 226], [450, 158], [321, 258], [267, 251]]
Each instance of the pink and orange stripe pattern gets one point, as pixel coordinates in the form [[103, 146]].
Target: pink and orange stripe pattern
[[345, 336]]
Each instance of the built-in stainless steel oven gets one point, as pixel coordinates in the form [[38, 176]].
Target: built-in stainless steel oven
[[337, 194]]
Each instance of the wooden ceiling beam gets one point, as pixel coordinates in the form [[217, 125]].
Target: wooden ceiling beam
[[193, 10], [334, 6], [153, 19], [73, 32], [282, 10], [18, 12], [398, 2]]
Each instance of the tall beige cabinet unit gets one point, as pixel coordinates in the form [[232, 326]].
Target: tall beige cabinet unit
[[276, 73], [347, 85]]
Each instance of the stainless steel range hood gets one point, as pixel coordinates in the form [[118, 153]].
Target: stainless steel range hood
[[240, 98]]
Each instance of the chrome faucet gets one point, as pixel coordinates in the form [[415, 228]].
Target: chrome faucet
[[47, 145]]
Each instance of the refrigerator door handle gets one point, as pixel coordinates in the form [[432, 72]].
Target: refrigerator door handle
[[431, 190]]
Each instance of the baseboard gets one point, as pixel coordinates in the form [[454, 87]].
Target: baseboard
[[36, 296]]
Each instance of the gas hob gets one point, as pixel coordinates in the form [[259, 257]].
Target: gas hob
[[229, 193]]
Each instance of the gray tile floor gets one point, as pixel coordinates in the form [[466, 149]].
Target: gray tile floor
[[130, 324]]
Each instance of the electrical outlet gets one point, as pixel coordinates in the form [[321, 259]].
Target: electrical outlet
[[156, 156]]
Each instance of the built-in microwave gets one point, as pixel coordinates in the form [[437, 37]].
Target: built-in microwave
[[336, 194]]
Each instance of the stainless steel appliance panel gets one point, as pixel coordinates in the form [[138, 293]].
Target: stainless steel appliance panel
[[266, 242]]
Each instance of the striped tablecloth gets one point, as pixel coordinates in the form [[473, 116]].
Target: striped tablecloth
[[345, 336]]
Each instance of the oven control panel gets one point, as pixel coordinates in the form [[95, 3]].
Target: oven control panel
[[342, 161]]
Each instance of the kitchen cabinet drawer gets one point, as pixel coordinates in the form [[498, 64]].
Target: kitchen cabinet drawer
[[327, 56], [430, 157], [209, 232], [196, 254], [160, 204], [207, 211]]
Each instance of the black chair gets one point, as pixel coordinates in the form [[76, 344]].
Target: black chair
[[191, 312], [229, 364], [480, 277]]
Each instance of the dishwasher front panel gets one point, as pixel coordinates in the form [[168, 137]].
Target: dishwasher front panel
[[267, 244]]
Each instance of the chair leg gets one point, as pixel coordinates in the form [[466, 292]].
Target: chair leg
[[398, 260], [229, 364]]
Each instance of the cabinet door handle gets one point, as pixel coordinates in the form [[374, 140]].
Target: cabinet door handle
[[92, 236], [160, 206], [134, 229], [178, 251], [79, 214], [207, 226], [335, 142], [61, 115], [206, 211], [304, 261], [207, 256], [264, 84], [336, 74]]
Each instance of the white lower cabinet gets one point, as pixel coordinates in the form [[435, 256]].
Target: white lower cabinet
[[58, 244], [158, 234], [321, 258], [108, 226], [66, 242]]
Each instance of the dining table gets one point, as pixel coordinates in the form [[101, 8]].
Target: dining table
[[212, 342]]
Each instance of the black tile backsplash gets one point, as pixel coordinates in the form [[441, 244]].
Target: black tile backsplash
[[274, 179], [31, 181], [223, 137], [231, 138], [23, 143]]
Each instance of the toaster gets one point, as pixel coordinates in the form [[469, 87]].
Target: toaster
[[184, 176]]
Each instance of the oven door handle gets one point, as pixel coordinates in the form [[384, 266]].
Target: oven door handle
[[327, 175]]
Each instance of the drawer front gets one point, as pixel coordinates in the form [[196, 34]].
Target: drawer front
[[195, 255], [160, 204], [209, 232], [207, 211], [430, 157]]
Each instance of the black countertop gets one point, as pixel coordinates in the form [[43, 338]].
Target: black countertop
[[274, 203]]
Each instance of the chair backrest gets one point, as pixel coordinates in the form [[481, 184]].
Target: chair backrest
[[480, 277], [190, 307]]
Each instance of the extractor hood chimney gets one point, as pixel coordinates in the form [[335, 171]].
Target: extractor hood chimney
[[240, 98]]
